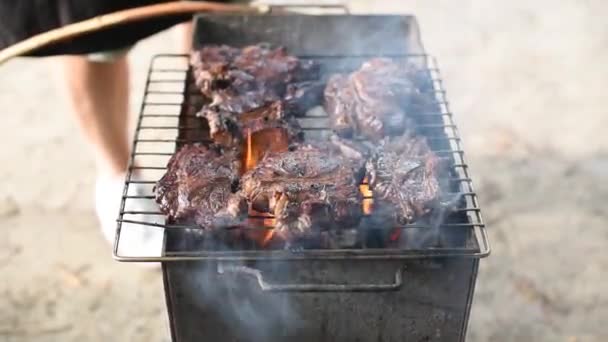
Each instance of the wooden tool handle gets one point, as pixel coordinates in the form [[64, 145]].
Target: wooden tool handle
[[120, 17]]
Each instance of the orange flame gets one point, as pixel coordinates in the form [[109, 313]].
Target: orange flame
[[262, 224], [256, 145], [368, 202], [249, 159], [269, 234]]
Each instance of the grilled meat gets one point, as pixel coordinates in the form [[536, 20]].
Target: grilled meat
[[265, 130], [254, 95], [198, 185], [302, 96], [238, 80], [403, 175], [270, 116], [270, 121], [340, 105], [307, 188], [375, 100], [211, 68], [273, 66], [233, 102], [253, 89]]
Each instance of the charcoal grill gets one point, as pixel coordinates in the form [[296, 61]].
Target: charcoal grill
[[415, 292]]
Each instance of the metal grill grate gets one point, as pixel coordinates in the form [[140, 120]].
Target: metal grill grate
[[167, 121]]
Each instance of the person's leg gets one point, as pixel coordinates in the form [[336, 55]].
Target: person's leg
[[99, 94], [98, 88], [184, 30]]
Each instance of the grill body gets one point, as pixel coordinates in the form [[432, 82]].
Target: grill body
[[431, 303], [418, 292]]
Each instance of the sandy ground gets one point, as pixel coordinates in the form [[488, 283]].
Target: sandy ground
[[526, 81]]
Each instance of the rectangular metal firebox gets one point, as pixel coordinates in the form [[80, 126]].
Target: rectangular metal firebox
[[414, 292], [380, 300]]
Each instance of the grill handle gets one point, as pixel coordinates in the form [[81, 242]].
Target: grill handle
[[265, 286], [282, 8]]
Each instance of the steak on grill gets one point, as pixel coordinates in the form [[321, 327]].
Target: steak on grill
[[309, 188], [302, 96], [403, 175], [375, 100], [238, 80], [253, 89], [198, 187], [270, 120], [340, 105]]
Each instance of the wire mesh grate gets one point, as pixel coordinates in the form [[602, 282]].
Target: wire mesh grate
[[168, 113]]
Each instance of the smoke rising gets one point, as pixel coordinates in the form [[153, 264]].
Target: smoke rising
[[231, 301]]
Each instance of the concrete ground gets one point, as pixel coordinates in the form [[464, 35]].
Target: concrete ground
[[526, 80]]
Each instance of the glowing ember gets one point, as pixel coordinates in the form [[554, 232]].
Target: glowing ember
[[368, 202], [259, 222], [270, 222], [249, 159], [260, 235], [255, 146], [258, 143], [269, 234], [395, 235]]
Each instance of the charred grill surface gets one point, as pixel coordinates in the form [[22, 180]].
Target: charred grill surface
[[308, 188], [198, 187]]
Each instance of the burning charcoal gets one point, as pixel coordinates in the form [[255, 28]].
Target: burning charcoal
[[198, 187], [403, 177], [307, 189], [375, 100]]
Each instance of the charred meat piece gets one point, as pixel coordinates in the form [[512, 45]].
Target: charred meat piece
[[269, 116], [340, 103], [211, 68], [273, 66], [265, 130], [302, 96], [309, 188], [253, 89], [383, 80], [403, 175], [237, 80], [375, 100], [270, 120], [198, 185], [235, 102], [356, 151]]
